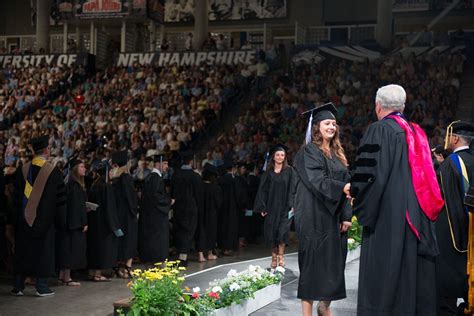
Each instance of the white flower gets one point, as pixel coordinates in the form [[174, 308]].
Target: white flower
[[217, 289], [350, 241], [234, 286], [232, 273], [196, 289], [280, 270], [252, 268]]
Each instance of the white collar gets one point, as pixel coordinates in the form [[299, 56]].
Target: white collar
[[156, 171], [460, 148]]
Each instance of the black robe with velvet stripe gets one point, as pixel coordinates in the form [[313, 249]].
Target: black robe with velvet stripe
[[397, 270], [452, 234], [320, 207], [35, 246]]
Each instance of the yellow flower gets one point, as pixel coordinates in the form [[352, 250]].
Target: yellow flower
[[180, 279], [174, 282], [187, 289], [354, 219], [182, 268]]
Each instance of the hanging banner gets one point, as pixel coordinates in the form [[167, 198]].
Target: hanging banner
[[94, 9], [60, 60], [245, 57]]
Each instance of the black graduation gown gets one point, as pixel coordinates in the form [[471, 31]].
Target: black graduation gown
[[320, 207], [228, 217], [127, 204], [276, 197], [451, 272], [397, 271], [186, 189], [206, 233], [35, 246], [153, 223], [71, 241], [243, 193], [103, 222], [256, 221]]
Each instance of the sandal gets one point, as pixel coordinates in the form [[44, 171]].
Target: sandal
[[323, 308], [100, 278], [281, 261], [211, 257], [274, 261], [69, 282]]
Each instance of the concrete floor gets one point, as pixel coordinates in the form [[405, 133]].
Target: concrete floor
[[93, 298]]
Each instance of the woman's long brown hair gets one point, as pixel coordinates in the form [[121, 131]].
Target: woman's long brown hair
[[75, 175], [335, 146]]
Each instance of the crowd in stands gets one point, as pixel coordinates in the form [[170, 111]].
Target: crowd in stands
[[151, 110], [144, 109], [432, 83]]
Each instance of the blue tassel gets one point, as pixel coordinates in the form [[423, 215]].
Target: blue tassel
[[309, 130]]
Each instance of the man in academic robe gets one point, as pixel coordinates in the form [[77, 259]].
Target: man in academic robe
[[396, 199], [456, 176], [153, 224], [40, 208], [228, 218], [187, 191]]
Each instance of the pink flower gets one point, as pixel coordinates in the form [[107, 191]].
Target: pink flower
[[195, 295], [214, 295]]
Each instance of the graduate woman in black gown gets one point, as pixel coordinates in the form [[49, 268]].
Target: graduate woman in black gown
[[71, 241], [127, 209], [322, 213], [206, 233], [103, 226], [274, 201]]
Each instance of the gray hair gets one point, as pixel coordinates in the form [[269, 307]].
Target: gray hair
[[391, 97]]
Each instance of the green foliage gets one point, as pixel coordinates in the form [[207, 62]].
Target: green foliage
[[354, 234]]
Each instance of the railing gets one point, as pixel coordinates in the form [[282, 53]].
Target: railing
[[340, 33]]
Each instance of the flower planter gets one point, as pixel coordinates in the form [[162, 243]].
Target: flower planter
[[353, 254], [261, 298]]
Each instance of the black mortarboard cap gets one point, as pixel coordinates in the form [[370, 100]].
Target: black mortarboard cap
[[208, 168], [186, 156], [120, 158], [74, 162], [278, 147], [39, 143], [323, 112], [160, 158], [463, 128]]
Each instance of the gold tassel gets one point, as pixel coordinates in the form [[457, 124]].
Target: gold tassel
[[449, 133]]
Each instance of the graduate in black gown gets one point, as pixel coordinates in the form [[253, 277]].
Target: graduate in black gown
[[452, 224], [186, 190], [206, 232], [322, 213], [103, 225], [397, 199], [127, 210], [274, 201], [245, 215], [228, 217], [153, 223], [71, 241], [35, 228]]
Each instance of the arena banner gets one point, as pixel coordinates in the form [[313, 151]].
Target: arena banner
[[94, 9], [225, 10], [245, 57], [60, 60]]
